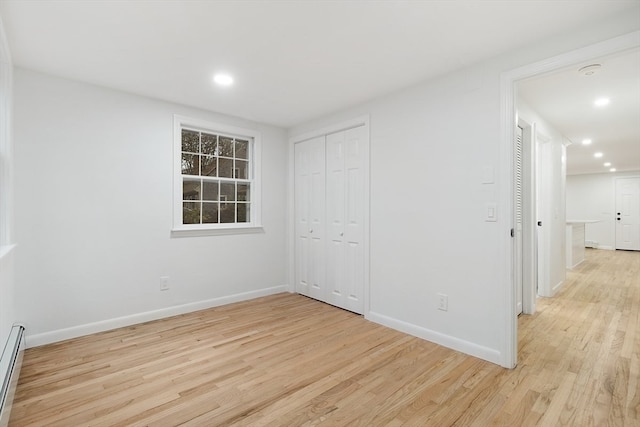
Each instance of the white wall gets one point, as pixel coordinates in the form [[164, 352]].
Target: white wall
[[94, 213], [429, 147], [551, 179], [592, 196], [8, 315]]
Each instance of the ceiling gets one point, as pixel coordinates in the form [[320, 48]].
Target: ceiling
[[565, 99], [294, 61]]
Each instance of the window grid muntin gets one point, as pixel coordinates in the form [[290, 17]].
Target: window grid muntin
[[235, 205]]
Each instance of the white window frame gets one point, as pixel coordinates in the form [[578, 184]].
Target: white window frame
[[255, 224], [6, 148]]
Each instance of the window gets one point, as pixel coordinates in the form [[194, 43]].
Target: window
[[216, 180]]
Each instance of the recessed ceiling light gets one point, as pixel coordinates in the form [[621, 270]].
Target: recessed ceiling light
[[597, 155], [223, 79], [586, 141], [612, 170], [601, 102], [606, 165]]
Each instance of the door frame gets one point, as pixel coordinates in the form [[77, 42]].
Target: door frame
[[508, 122], [325, 130]]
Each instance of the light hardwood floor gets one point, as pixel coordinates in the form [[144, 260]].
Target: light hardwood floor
[[286, 360]]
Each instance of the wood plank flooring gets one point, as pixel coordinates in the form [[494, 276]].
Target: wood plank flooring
[[286, 360]]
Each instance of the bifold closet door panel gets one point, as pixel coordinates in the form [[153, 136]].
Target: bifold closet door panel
[[336, 202], [310, 223], [345, 153]]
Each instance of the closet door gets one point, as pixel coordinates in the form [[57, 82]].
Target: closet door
[[345, 199], [309, 208]]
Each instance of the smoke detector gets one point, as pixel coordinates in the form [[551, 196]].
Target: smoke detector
[[589, 70]]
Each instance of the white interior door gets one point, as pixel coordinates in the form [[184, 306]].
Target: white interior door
[[543, 179], [309, 208], [518, 219], [529, 227], [628, 213], [345, 219]]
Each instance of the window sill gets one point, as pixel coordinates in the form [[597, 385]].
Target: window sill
[[6, 250], [197, 232]]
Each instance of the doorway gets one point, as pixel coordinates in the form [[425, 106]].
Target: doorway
[[508, 126]]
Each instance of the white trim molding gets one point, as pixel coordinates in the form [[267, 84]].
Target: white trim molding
[[6, 142], [120, 322], [5, 250], [485, 353], [255, 200]]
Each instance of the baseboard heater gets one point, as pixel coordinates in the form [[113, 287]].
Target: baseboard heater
[[10, 364]]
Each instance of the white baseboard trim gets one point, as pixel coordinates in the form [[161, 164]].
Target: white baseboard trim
[[556, 288], [606, 247], [119, 322], [475, 350]]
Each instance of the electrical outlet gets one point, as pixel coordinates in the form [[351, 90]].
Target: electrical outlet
[[443, 302], [164, 283]]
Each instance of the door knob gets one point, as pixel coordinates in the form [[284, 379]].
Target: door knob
[[311, 231], [341, 234]]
